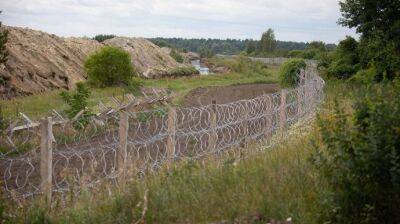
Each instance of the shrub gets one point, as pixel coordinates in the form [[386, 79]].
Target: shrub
[[341, 69], [360, 158], [365, 76], [183, 71], [175, 55], [109, 66], [295, 53], [345, 61], [133, 86], [289, 72], [77, 101]]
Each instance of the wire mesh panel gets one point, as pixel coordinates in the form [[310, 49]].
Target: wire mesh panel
[[88, 152]]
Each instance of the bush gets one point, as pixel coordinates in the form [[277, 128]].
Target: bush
[[295, 53], [341, 69], [345, 60], [183, 71], [133, 86], [109, 66], [360, 158], [175, 55], [77, 101], [289, 73], [365, 76]]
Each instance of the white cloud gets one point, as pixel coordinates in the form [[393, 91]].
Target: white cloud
[[301, 20]]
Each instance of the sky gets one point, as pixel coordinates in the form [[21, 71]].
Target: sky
[[292, 20]]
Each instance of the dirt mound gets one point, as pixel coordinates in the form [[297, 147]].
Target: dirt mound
[[39, 61], [226, 94], [146, 56]]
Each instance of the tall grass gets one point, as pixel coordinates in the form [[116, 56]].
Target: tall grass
[[273, 183]]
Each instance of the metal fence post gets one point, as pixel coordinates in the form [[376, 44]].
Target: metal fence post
[[122, 149], [46, 158]]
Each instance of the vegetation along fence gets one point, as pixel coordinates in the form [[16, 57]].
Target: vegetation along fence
[[57, 155]]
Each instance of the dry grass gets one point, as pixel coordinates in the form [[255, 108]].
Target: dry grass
[[276, 182]]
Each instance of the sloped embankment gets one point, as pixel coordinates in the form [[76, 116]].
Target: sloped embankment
[[39, 61]]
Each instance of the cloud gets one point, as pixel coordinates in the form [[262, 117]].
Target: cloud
[[299, 20]]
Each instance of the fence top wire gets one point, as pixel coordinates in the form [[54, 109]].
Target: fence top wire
[[194, 132]]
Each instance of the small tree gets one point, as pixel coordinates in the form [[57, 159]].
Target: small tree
[[77, 101], [109, 66], [346, 59], [268, 43], [3, 41], [289, 73]]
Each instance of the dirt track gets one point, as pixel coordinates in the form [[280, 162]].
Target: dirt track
[[226, 94]]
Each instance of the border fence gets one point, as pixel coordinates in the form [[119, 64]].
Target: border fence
[[119, 144]]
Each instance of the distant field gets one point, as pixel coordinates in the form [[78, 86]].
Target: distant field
[[41, 105]]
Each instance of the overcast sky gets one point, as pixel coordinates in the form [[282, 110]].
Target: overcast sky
[[296, 20]]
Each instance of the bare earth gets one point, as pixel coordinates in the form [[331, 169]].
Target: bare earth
[[226, 94]]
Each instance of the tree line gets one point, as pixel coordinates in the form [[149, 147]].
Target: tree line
[[233, 46]]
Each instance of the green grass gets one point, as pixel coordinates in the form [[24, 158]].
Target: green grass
[[36, 106], [276, 183], [41, 105], [182, 86]]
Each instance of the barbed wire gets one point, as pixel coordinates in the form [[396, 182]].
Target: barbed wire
[[84, 156]]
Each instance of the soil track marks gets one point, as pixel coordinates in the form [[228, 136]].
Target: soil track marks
[[226, 94]]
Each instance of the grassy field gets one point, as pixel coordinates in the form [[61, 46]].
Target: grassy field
[[277, 183], [41, 105]]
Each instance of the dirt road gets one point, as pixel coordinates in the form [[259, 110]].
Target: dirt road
[[226, 94]]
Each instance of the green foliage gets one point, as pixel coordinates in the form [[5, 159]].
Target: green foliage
[[283, 184], [77, 101], [176, 55], [133, 85], [372, 17], [251, 47], [365, 76], [243, 65], [289, 73], [295, 54], [102, 37], [267, 43], [109, 66], [3, 41], [378, 22], [4, 122], [314, 51], [316, 45], [382, 55], [183, 71], [206, 52], [345, 60], [228, 46], [160, 43], [360, 158]]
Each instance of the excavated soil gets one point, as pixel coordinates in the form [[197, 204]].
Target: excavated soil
[[39, 61], [227, 94]]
